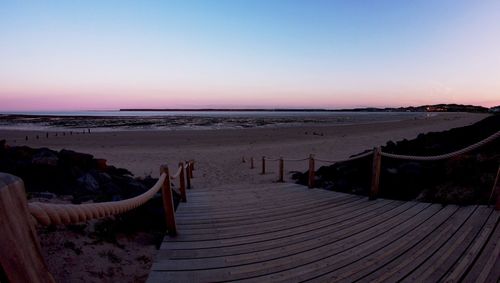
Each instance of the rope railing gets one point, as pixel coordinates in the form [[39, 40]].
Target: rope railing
[[177, 173], [316, 159], [377, 156], [311, 160], [287, 159], [21, 259], [496, 190], [444, 156], [55, 214], [345, 159]]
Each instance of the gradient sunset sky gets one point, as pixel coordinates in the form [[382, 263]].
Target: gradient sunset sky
[[76, 55]]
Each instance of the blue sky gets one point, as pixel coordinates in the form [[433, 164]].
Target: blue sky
[[113, 54]]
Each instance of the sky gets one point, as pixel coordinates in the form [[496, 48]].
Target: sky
[[102, 55]]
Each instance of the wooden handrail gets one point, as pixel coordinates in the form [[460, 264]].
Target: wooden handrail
[[376, 166], [21, 258], [311, 171], [281, 169], [168, 202], [20, 254], [188, 177], [495, 191], [375, 184], [190, 169]]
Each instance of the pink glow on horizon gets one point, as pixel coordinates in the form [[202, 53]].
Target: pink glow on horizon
[[253, 54], [114, 98]]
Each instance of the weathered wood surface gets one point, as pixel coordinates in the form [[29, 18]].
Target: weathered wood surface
[[20, 254], [287, 233]]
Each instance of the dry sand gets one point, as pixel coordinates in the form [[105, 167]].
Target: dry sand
[[218, 155]]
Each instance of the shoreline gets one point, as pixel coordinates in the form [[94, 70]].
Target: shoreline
[[219, 152], [200, 122], [218, 156]]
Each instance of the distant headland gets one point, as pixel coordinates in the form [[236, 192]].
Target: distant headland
[[422, 108]]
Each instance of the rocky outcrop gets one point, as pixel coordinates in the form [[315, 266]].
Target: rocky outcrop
[[464, 179], [81, 176]]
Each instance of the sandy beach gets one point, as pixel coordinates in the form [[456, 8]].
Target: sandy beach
[[219, 153]]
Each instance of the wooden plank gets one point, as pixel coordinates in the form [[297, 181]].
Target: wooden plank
[[276, 204], [356, 220], [283, 232], [316, 256], [439, 263], [417, 254], [394, 249], [248, 239], [265, 217], [461, 268], [268, 225], [367, 243], [209, 216], [486, 267], [286, 246]]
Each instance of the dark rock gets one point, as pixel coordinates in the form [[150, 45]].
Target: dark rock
[[111, 189], [45, 195], [100, 164], [88, 183], [112, 170], [81, 160], [45, 157], [463, 179], [104, 178]]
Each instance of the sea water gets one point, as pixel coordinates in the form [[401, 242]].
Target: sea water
[[171, 120]]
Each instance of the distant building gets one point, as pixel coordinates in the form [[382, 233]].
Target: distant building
[[436, 109]]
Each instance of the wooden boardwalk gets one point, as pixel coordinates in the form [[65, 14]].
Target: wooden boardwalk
[[288, 233]]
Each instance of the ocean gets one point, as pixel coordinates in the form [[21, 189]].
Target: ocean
[[172, 120]]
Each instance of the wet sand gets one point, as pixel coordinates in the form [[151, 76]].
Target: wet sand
[[218, 153]]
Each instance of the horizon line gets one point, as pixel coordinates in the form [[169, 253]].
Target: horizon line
[[385, 108]]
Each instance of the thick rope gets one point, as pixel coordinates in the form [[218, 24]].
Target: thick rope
[[54, 214], [447, 155], [322, 160], [301, 159], [176, 173], [494, 186], [346, 159]]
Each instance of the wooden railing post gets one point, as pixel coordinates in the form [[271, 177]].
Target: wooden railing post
[[377, 158], [495, 191], [311, 171], [168, 202], [182, 183], [263, 165], [21, 259], [191, 168], [188, 178], [251, 163], [280, 179]]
